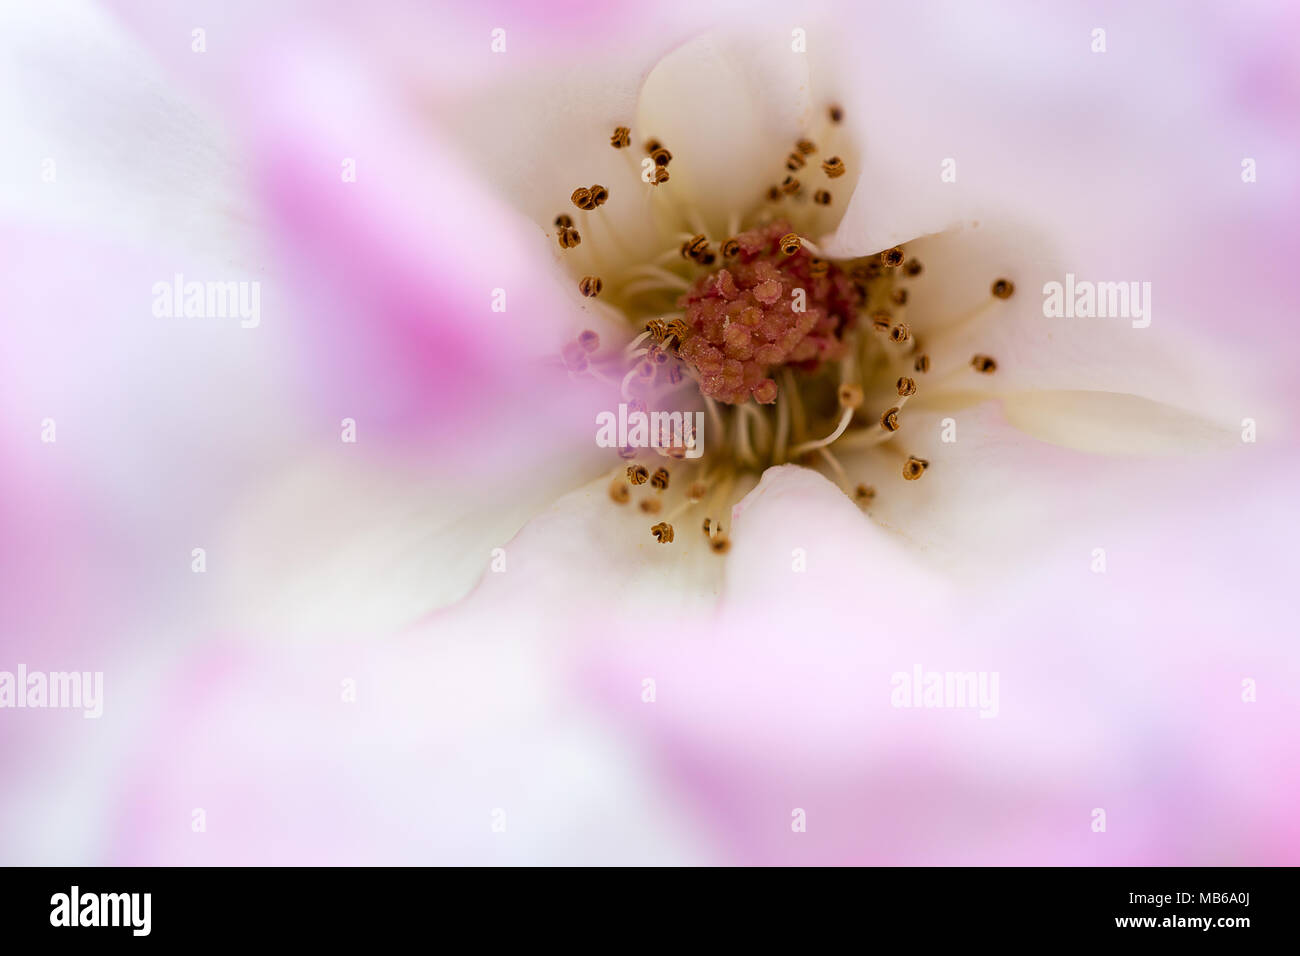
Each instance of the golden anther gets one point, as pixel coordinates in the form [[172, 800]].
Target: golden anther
[[906, 386], [790, 244], [661, 156], [663, 532], [795, 161], [589, 340], [922, 363], [652, 144], [898, 297], [618, 492], [1003, 288], [731, 248], [599, 194], [789, 185], [582, 198], [881, 321], [564, 221], [864, 492], [660, 176], [833, 167], [806, 146], [696, 491], [568, 237], [866, 271], [659, 480], [836, 113], [850, 396], [984, 364], [892, 257], [622, 137], [914, 467], [638, 474], [679, 329], [650, 506], [818, 268], [658, 329], [900, 333], [590, 286], [822, 197], [695, 247], [720, 544], [912, 268], [889, 420], [773, 193], [707, 259]]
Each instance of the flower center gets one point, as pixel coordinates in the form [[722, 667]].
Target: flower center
[[791, 353]]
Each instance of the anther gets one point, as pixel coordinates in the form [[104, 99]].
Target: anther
[[898, 297], [599, 194], [663, 532], [914, 467], [806, 146], [590, 286], [661, 156], [822, 197], [568, 237], [588, 339], [659, 480], [912, 268], [790, 244], [892, 257], [906, 386], [1002, 288], [881, 321], [922, 363], [618, 492], [889, 420], [660, 176], [651, 145], [582, 198], [679, 329], [862, 492], [795, 161], [638, 474], [866, 271], [622, 137], [696, 491], [836, 113], [695, 247], [900, 333], [708, 525], [833, 167], [650, 506], [658, 329], [850, 396], [730, 248], [720, 544], [984, 364], [818, 268], [789, 185], [564, 221]]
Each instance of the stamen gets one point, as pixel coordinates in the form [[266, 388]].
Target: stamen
[[730, 248], [833, 167], [581, 198], [898, 297], [659, 480], [599, 194], [806, 146], [590, 286], [789, 185], [922, 363], [889, 420], [822, 198], [720, 544], [984, 364], [1002, 288], [808, 446], [795, 161], [622, 137], [914, 468], [564, 221], [618, 492], [906, 386], [568, 237], [661, 156], [864, 493], [790, 244], [836, 113], [850, 396], [912, 268], [892, 257], [660, 176], [900, 333], [818, 268], [696, 491], [881, 321], [650, 506], [638, 474]]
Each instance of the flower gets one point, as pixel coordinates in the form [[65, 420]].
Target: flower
[[475, 423]]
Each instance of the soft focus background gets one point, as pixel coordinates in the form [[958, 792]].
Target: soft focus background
[[502, 720]]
